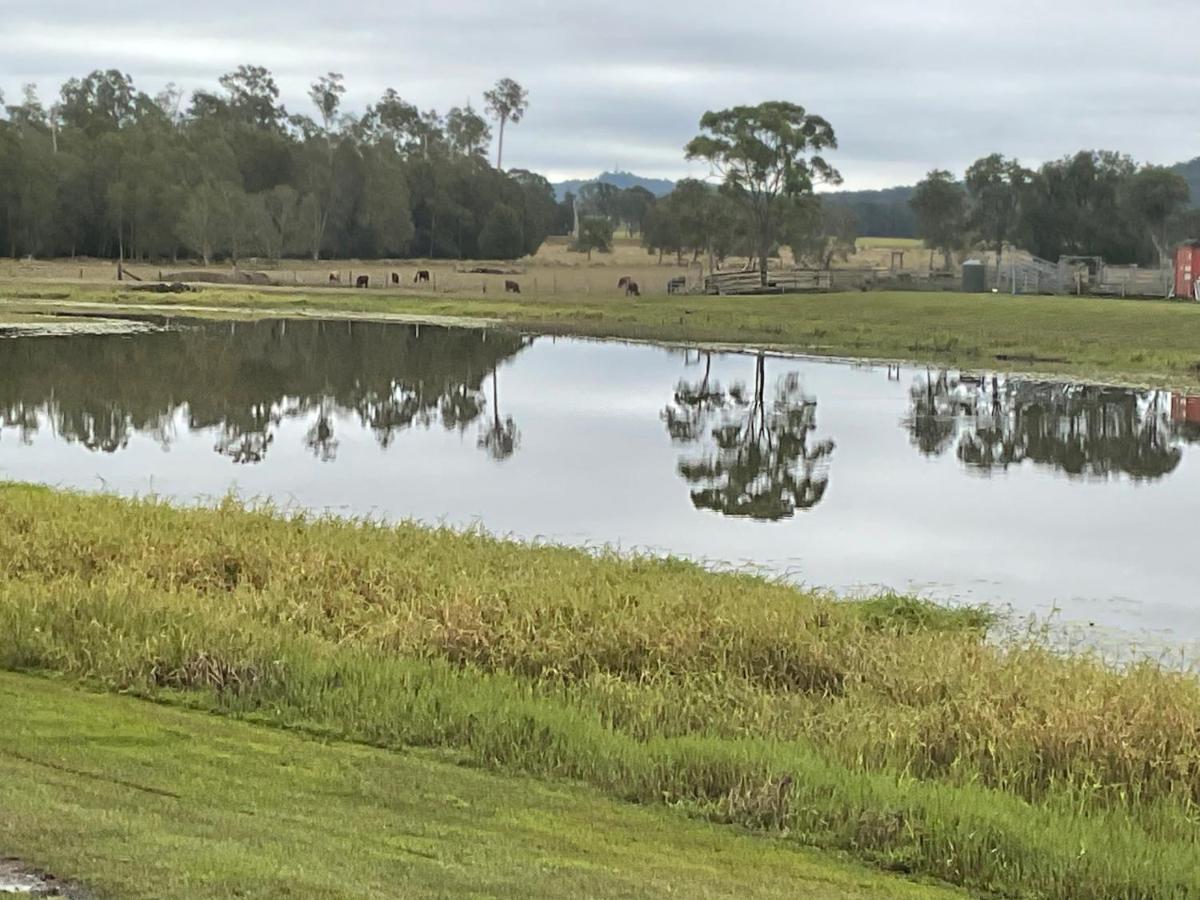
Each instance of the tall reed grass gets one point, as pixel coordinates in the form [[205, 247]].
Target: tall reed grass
[[889, 728]]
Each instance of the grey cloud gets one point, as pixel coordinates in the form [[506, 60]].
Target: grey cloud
[[908, 90]]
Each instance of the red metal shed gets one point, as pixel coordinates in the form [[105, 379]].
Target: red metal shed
[[1185, 410], [1187, 270]]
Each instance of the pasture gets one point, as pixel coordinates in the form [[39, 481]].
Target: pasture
[[1137, 342], [888, 728], [554, 272]]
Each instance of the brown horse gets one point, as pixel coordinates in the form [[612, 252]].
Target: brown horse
[[511, 287], [631, 289], [421, 276], [624, 282], [335, 278], [395, 278], [362, 281]]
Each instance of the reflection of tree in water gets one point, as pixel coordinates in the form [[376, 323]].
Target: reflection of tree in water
[[244, 379], [753, 456], [1084, 430], [320, 439], [501, 437]]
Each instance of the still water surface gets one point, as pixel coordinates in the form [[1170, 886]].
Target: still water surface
[[1034, 495]]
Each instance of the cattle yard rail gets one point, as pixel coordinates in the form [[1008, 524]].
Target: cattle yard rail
[[785, 282]]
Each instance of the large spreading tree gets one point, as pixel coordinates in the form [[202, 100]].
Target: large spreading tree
[[1156, 195], [769, 159], [995, 185]]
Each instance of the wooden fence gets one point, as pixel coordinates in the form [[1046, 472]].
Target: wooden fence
[[778, 282]]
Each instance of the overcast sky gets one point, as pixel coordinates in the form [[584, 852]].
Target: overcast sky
[[623, 83]]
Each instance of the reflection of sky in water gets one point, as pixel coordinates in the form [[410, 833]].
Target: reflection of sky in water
[[594, 465]]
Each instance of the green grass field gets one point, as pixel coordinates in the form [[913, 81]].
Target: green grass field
[[888, 729], [1127, 341], [133, 799]]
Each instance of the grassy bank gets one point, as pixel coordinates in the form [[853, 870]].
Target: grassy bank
[[1132, 341], [137, 800], [888, 729]]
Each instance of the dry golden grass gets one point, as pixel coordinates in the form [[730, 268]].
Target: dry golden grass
[[553, 271]]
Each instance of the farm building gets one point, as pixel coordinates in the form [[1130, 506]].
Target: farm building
[[1187, 270]]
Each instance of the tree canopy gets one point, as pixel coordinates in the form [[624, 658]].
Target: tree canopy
[[109, 171], [940, 205], [769, 158], [507, 102]]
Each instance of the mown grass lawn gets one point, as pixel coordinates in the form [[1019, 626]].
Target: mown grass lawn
[[1129, 341], [133, 799]]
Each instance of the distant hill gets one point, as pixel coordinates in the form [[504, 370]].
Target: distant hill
[[659, 187]]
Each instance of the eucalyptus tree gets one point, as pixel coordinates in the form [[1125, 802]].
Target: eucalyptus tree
[[1155, 195], [941, 209], [995, 187], [819, 233], [507, 102], [595, 233], [467, 132], [769, 158]]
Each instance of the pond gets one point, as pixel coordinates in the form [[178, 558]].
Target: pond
[[1036, 495]]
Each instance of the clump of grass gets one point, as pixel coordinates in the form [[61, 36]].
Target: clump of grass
[[890, 727]]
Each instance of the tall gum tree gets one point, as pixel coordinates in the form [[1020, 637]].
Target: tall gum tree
[[769, 158], [507, 102]]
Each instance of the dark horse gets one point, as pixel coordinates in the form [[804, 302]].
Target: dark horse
[[362, 281], [511, 287], [395, 278], [631, 289], [422, 275]]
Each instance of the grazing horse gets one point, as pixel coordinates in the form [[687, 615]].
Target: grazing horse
[[631, 289], [335, 278], [511, 287], [395, 278], [624, 282], [362, 281], [422, 275]]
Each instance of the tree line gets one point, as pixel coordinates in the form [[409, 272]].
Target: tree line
[[106, 170], [1094, 203]]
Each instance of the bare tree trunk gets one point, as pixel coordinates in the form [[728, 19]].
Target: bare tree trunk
[[500, 145], [764, 246], [495, 401]]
